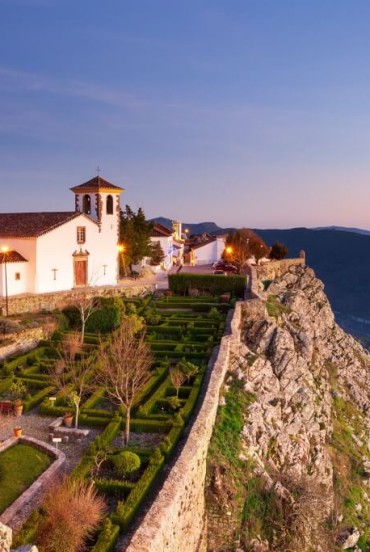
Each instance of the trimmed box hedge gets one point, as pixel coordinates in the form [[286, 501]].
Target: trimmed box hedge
[[212, 284]]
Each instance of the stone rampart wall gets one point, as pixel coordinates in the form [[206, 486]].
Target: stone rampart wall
[[51, 301], [176, 519], [276, 269]]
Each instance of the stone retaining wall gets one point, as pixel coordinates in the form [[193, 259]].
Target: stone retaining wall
[[176, 519], [17, 511], [51, 301], [22, 342]]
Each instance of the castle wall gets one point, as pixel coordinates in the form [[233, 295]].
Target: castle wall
[[176, 519]]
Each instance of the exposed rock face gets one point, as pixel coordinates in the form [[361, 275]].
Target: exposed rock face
[[308, 423], [6, 539]]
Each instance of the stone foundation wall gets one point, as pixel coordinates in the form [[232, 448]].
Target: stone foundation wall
[[51, 301], [22, 342], [176, 520]]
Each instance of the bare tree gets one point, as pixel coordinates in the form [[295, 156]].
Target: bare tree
[[177, 378], [70, 375], [124, 368], [85, 306]]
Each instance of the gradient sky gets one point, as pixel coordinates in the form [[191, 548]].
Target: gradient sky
[[243, 112]]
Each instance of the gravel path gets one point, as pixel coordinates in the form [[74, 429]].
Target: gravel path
[[37, 426]]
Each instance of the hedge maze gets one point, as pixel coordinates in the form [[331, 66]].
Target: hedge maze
[[181, 332]]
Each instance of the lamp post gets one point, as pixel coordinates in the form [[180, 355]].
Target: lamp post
[[5, 251], [121, 248]]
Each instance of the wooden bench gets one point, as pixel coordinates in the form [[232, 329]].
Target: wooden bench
[[6, 407]]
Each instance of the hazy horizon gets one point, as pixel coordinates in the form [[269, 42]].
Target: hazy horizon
[[246, 113]]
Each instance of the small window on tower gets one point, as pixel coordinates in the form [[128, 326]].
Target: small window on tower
[[17, 275], [109, 205], [81, 234]]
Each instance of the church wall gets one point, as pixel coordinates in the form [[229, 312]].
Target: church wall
[[108, 239], [55, 261]]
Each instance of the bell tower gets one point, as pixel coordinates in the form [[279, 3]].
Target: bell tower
[[99, 199]]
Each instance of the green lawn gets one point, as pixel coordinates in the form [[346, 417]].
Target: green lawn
[[20, 466]]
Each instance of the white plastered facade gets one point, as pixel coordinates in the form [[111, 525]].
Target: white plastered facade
[[51, 257]]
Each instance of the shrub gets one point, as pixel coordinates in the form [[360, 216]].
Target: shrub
[[278, 251], [213, 285], [107, 537], [104, 319], [73, 511], [126, 462], [73, 316]]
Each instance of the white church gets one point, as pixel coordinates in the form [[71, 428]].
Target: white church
[[49, 252]]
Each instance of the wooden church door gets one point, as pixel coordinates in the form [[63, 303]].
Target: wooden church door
[[80, 268]]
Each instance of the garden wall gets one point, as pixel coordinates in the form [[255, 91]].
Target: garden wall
[[51, 301], [18, 510], [176, 519]]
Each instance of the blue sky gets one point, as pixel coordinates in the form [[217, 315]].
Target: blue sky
[[244, 112]]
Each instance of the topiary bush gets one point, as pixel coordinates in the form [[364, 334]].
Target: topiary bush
[[126, 462], [104, 319]]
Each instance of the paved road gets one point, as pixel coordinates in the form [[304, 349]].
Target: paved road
[[161, 278]]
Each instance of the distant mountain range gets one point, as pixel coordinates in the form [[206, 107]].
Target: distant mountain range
[[339, 256]]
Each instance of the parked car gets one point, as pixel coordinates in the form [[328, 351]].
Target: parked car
[[226, 267], [219, 271]]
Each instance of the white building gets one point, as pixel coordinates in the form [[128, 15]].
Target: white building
[[207, 252], [164, 236], [49, 252]]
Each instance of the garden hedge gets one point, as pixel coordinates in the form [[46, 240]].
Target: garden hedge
[[207, 283]]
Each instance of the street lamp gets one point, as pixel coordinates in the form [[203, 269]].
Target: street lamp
[[121, 248], [5, 251]]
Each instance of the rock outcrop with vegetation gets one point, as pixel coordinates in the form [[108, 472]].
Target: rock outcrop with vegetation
[[289, 461]]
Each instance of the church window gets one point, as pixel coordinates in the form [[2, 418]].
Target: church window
[[86, 204], [17, 275], [81, 234], [109, 205]]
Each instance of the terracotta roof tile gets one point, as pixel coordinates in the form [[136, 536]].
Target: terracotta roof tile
[[32, 225], [96, 184], [160, 231], [12, 256]]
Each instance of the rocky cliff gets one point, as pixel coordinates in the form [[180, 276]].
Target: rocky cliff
[[289, 461]]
